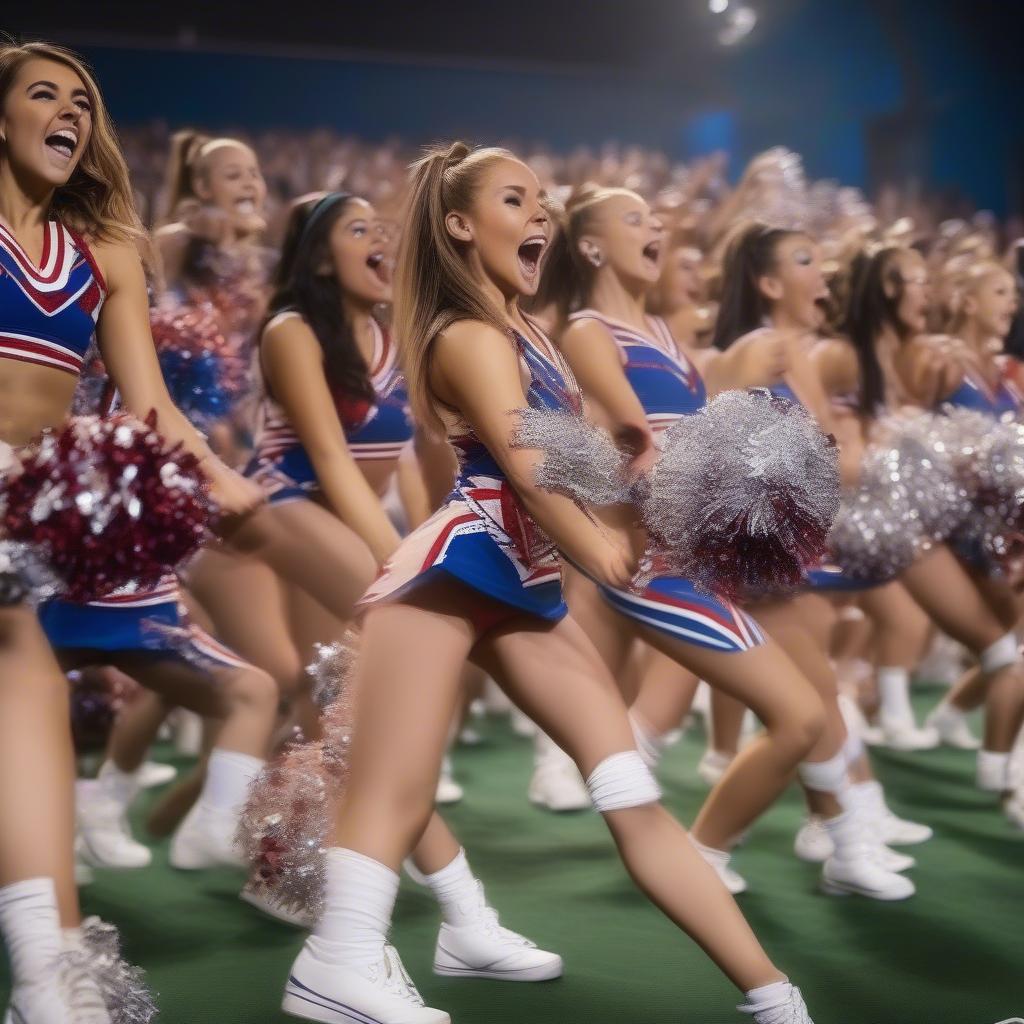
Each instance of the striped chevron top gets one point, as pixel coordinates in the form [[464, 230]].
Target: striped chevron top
[[375, 431], [48, 312]]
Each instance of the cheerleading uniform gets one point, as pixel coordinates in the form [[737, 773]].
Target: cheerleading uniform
[[482, 535], [48, 313], [132, 618], [1004, 400], [375, 431], [669, 387]]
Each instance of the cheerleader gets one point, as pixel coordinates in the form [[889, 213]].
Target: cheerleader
[[773, 276], [640, 381], [70, 269], [334, 422], [984, 301], [482, 578], [880, 365]]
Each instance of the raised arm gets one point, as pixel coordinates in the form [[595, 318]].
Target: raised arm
[[476, 370], [126, 344], [294, 367]]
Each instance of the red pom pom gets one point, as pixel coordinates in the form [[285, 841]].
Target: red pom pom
[[109, 502]]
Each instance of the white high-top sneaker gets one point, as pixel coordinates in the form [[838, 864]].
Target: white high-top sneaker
[[856, 867], [792, 1011], [902, 733], [206, 839], [72, 997], [105, 837], [556, 783], [950, 725], [377, 993], [869, 799], [484, 949], [813, 843]]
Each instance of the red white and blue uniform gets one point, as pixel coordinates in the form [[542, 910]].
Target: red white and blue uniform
[[1001, 401], [375, 431], [482, 535], [48, 316], [669, 387], [48, 312]]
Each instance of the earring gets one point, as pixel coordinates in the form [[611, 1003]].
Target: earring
[[596, 259]]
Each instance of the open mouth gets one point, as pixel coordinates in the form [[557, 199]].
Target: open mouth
[[652, 251], [381, 266], [530, 253], [63, 142], [247, 207]]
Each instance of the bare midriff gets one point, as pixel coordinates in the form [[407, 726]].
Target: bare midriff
[[32, 398]]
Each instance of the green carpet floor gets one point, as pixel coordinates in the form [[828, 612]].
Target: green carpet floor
[[954, 954]]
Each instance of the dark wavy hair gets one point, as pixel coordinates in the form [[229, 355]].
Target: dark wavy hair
[[743, 306], [873, 296], [301, 285]]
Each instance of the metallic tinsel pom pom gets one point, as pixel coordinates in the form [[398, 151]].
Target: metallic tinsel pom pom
[[581, 461], [25, 575], [743, 495], [285, 825], [96, 952], [331, 669]]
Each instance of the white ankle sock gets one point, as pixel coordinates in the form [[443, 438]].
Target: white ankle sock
[[714, 857], [359, 898], [846, 833], [122, 787], [994, 771], [894, 693], [458, 893], [648, 741], [228, 776], [767, 996], [30, 925]]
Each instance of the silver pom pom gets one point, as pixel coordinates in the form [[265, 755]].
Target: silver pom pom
[[581, 461], [744, 494], [331, 670], [25, 575], [94, 950]]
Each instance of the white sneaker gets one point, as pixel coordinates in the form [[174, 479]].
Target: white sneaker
[[556, 783], [377, 993], [903, 734], [154, 773], [889, 828], [861, 874], [206, 839], [79, 986], [950, 724], [255, 895], [713, 765], [1013, 808], [813, 843], [37, 1004], [448, 790], [105, 838], [792, 1011], [484, 949]]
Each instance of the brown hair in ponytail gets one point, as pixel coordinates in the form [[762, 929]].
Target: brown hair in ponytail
[[433, 284]]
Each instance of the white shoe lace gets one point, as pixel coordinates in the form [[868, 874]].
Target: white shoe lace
[[389, 974]]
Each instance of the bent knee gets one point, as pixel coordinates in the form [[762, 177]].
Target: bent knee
[[252, 687]]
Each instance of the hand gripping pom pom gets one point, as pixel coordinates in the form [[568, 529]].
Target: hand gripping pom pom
[[108, 502], [285, 825], [96, 953], [743, 495], [580, 460]]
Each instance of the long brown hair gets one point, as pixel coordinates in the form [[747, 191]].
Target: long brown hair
[[567, 274], [433, 285], [97, 200]]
